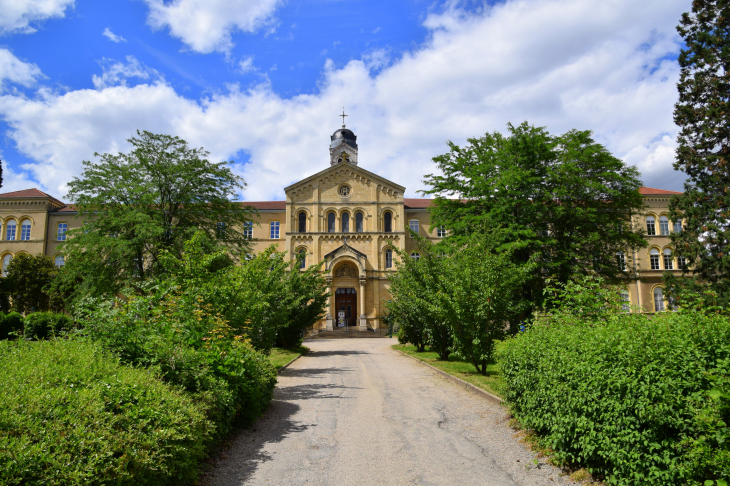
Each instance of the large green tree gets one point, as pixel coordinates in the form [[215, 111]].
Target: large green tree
[[703, 151], [140, 203], [564, 199], [27, 282]]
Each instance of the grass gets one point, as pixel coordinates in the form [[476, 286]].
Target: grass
[[280, 357], [492, 382]]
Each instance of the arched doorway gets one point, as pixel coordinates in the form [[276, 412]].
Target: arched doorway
[[346, 305]]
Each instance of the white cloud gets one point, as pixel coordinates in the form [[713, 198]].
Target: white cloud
[[206, 25], [20, 15], [246, 65], [14, 70], [112, 36], [558, 63], [116, 73]]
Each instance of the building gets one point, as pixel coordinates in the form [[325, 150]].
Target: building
[[351, 219]]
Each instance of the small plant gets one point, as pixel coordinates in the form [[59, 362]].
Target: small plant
[[10, 323]]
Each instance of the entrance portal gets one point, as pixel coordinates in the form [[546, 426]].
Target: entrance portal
[[346, 302]]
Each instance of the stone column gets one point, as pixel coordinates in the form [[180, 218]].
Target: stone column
[[361, 296], [329, 320]]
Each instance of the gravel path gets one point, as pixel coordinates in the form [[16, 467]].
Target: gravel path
[[353, 411]]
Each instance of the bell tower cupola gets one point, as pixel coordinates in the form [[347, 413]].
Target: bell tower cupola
[[343, 145]]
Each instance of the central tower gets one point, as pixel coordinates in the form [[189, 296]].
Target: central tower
[[343, 147]]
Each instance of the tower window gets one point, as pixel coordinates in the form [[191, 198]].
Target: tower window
[[302, 222], [345, 222], [302, 259], [331, 222], [388, 258], [358, 222], [388, 222]]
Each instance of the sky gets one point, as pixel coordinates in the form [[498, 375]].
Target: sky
[[261, 82]]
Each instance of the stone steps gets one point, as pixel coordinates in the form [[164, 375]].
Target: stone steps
[[342, 334]]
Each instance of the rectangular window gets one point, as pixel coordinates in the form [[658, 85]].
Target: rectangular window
[[664, 226], [413, 225], [678, 227], [388, 258], [625, 303], [220, 230], [654, 259], [248, 229], [25, 231], [621, 261], [10, 232], [682, 263], [62, 228], [668, 262], [441, 232], [274, 226], [650, 226]]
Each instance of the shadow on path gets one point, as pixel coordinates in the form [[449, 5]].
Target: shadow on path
[[334, 352], [307, 392], [311, 372]]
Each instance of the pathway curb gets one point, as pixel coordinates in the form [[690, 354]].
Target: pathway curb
[[467, 386], [287, 365]]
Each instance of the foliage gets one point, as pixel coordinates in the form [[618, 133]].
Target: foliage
[[28, 278], [703, 144], [140, 204], [12, 322], [564, 198], [41, 325], [627, 396], [72, 414]]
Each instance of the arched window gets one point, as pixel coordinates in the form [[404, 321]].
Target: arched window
[[388, 258], [10, 230], [62, 228], [331, 222], [658, 300], [60, 261], [415, 256], [358, 222], [345, 222], [621, 260], [625, 303], [25, 230], [668, 259], [654, 259], [302, 258], [388, 222], [6, 261], [650, 226], [302, 222], [664, 226]]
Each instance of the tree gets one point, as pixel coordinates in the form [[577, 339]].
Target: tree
[[563, 198], [703, 151], [28, 279], [139, 204]]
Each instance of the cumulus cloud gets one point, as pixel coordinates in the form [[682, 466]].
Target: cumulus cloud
[[112, 36], [21, 15], [206, 25], [13, 70], [246, 65], [558, 63], [115, 73]]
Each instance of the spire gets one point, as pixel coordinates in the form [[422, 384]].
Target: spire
[[343, 117]]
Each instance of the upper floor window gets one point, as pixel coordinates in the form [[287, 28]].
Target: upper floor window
[[25, 230], [654, 259], [658, 299], [302, 222], [62, 228], [248, 229], [220, 230], [668, 259], [625, 302], [331, 222], [274, 230], [682, 263], [388, 258], [441, 232], [677, 226], [60, 261], [413, 225], [388, 222], [358, 222], [345, 222], [664, 226], [10, 230], [6, 261], [650, 226], [621, 261], [415, 256]]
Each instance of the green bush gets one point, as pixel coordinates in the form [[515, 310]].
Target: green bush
[[41, 325], [634, 399], [71, 414], [12, 322]]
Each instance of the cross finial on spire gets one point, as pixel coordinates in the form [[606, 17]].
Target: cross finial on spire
[[343, 117]]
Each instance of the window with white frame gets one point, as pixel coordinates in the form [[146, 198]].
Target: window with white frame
[[441, 232], [302, 259], [60, 261], [25, 230], [654, 259], [388, 258], [413, 225], [664, 226], [415, 256], [625, 301], [302, 222], [388, 222], [668, 259], [10, 230], [658, 299], [682, 263], [248, 229], [621, 260], [677, 226], [6, 261], [650, 226], [61, 234], [274, 230]]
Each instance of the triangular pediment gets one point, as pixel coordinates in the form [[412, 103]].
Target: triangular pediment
[[345, 171]]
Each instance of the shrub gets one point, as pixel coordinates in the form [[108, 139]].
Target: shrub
[[12, 322], [41, 325], [634, 399], [71, 414]]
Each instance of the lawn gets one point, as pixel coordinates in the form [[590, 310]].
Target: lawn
[[279, 357], [492, 382]]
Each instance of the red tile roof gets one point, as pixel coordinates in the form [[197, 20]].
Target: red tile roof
[[411, 203], [650, 191], [31, 193], [264, 205]]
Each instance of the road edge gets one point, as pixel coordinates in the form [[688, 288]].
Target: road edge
[[467, 386], [287, 365]]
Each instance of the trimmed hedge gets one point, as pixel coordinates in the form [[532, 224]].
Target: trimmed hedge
[[637, 400], [12, 322], [71, 414]]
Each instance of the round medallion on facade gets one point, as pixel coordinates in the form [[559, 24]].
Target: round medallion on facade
[[344, 191]]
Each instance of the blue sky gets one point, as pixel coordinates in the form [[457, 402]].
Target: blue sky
[[261, 82]]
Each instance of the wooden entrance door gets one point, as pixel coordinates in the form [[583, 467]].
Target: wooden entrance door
[[346, 301]]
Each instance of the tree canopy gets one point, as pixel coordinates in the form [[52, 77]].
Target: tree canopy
[[565, 199], [27, 281]]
